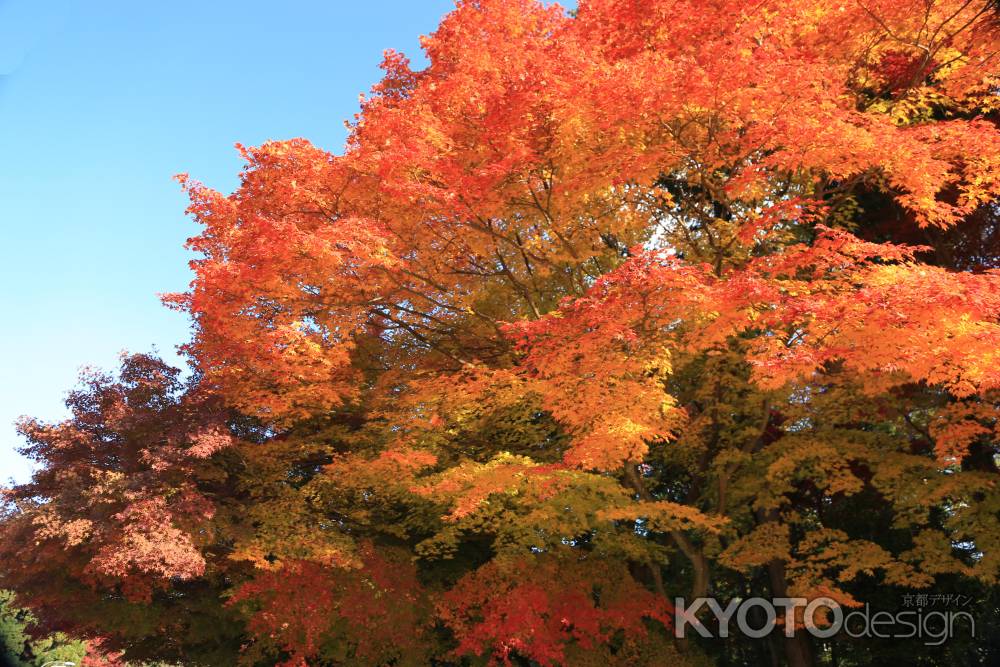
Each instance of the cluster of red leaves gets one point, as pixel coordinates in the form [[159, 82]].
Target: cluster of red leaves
[[521, 608], [114, 501], [377, 611]]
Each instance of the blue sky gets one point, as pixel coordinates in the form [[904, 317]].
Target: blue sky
[[101, 102]]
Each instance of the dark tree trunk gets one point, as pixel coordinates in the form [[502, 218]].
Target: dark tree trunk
[[798, 648]]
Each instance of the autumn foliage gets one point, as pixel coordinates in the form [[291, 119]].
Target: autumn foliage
[[650, 299]]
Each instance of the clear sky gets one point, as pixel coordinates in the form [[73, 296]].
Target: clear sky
[[101, 102]]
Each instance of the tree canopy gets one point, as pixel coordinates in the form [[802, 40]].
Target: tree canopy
[[650, 299]]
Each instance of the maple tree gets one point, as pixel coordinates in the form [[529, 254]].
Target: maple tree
[[653, 299]]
